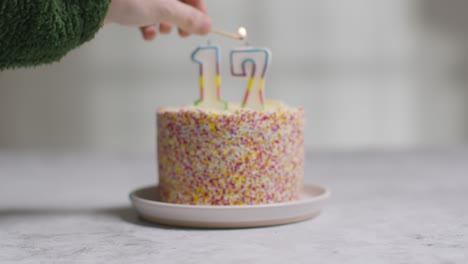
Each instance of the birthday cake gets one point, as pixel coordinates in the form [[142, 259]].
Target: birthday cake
[[237, 156]]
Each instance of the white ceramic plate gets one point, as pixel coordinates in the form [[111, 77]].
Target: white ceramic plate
[[149, 207]]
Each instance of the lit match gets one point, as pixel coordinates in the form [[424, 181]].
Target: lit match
[[241, 33]]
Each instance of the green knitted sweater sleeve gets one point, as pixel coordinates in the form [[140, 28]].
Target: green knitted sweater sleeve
[[34, 32]]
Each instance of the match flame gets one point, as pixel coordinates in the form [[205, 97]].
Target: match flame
[[242, 32]]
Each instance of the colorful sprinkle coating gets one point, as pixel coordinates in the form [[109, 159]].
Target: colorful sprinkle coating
[[232, 157]]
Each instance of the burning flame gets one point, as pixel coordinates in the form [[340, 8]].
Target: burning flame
[[242, 32]]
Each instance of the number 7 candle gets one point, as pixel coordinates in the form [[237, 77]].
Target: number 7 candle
[[252, 63], [210, 81]]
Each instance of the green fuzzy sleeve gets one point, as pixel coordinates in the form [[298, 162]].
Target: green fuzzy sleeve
[[34, 32]]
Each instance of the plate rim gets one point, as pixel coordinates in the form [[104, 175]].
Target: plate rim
[[326, 193]]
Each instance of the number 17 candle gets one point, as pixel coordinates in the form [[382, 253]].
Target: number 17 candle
[[210, 81]]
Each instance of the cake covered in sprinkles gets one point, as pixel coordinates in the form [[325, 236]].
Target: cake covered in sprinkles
[[230, 157]]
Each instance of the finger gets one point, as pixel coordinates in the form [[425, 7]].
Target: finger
[[165, 28], [198, 4], [185, 16], [183, 33], [148, 32]]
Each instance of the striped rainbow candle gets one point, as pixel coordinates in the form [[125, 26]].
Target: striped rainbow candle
[[207, 57], [251, 63]]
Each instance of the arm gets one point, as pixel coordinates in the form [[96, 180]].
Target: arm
[[35, 32]]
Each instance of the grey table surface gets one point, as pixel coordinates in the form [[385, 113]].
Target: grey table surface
[[386, 207]]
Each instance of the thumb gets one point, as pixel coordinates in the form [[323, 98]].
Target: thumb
[[185, 17]]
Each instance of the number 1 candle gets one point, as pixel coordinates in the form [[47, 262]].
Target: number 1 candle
[[210, 81], [251, 63]]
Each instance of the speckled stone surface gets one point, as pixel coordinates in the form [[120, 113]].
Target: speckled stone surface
[[397, 207]]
